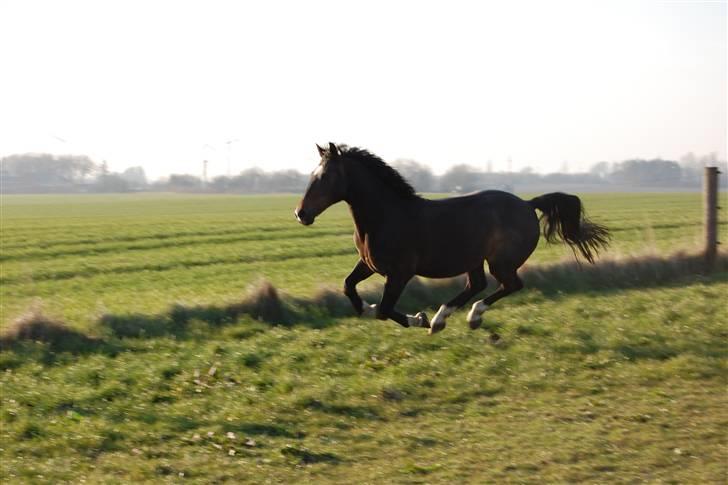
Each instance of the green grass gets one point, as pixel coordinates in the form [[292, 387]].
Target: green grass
[[86, 255], [617, 381]]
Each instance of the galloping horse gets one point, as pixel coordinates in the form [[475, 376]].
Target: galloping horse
[[400, 234]]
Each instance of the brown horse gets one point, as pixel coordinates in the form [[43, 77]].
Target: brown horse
[[400, 234]]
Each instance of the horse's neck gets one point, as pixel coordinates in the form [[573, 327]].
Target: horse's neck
[[373, 207]]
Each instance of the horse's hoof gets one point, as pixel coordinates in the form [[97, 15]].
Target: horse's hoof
[[437, 327], [368, 311], [495, 338], [424, 321], [475, 315], [419, 320]]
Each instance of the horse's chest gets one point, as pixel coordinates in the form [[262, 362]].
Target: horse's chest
[[378, 258], [366, 255]]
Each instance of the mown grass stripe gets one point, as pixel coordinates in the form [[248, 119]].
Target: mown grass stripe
[[14, 237], [95, 249], [92, 271], [157, 235]]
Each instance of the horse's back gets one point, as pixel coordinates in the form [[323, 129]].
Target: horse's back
[[493, 225], [494, 207]]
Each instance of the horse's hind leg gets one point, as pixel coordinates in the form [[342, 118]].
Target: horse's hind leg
[[510, 283], [475, 284]]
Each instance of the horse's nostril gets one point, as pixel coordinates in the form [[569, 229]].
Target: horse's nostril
[[300, 215]]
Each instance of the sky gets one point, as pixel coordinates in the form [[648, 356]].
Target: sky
[[166, 84]]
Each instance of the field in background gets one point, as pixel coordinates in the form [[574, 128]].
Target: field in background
[[611, 382], [81, 256]]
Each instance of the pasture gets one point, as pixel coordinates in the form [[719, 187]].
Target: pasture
[[616, 376]]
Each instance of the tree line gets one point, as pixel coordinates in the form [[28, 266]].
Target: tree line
[[46, 173]]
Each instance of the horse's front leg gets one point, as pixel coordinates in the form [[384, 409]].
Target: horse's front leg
[[393, 288], [360, 272]]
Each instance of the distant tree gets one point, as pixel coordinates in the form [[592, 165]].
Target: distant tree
[[417, 174], [600, 169], [135, 177], [460, 178], [559, 178], [184, 183], [43, 172], [286, 181], [219, 184], [45, 169], [692, 167], [647, 173], [111, 182], [250, 180]]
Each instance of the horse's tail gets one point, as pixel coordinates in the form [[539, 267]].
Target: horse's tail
[[564, 220]]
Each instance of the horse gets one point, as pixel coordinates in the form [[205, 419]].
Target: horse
[[400, 234]]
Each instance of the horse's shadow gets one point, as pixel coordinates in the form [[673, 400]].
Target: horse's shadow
[[326, 307], [266, 306]]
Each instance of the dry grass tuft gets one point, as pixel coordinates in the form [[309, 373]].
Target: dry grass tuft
[[262, 302], [565, 277], [332, 301], [37, 327], [621, 272]]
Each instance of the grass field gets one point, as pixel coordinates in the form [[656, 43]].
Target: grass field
[[85, 255], [621, 380]]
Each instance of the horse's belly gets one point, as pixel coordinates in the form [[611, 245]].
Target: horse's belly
[[447, 266], [441, 273]]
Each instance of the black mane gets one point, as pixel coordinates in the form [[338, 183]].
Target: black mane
[[381, 170]]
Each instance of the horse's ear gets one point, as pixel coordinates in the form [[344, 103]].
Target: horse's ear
[[333, 150], [321, 151]]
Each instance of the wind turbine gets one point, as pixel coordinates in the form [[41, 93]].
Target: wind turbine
[[228, 143]]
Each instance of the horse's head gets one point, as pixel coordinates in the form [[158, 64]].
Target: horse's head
[[326, 187]]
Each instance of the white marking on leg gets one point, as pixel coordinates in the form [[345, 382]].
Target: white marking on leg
[[368, 310], [442, 314], [475, 312], [440, 319], [419, 320]]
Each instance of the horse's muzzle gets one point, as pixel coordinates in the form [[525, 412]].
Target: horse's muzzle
[[303, 217]]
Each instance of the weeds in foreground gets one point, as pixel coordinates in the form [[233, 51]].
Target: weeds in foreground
[[264, 303], [37, 327]]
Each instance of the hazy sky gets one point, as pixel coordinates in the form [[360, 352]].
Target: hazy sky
[[165, 84]]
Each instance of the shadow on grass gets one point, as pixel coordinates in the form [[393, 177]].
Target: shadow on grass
[[648, 271], [265, 304], [308, 457], [359, 412], [262, 429], [35, 327], [262, 303]]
